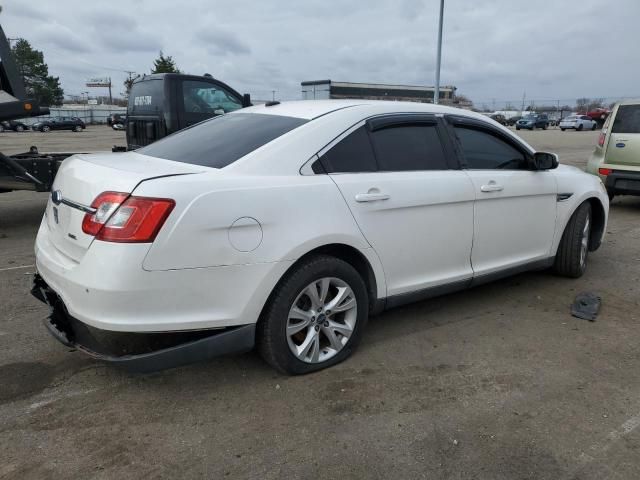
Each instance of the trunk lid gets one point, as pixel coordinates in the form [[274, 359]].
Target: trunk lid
[[624, 141], [81, 178]]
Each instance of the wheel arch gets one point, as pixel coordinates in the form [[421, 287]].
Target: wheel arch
[[354, 257]]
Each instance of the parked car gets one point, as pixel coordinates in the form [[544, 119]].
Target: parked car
[[286, 225], [501, 119], [14, 125], [578, 122], [116, 118], [616, 159], [533, 121], [599, 114], [512, 120], [60, 123]]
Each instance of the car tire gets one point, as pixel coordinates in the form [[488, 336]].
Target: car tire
[[571, 257], [19, 128], [517, 128], [593, 127], [580, 127], [45, 128], [563, 129], [1, 129], [544, 127], [77, 128], [277, 345]]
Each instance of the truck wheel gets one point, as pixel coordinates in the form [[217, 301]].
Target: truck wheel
[[45, 128], [315, 316], [571, 257]]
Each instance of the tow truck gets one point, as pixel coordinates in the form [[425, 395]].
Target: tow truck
[[30, 170]]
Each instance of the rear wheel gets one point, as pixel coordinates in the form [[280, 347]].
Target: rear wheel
[[1, 128], [563, 129], [19, 128], [315, 317], [77, 128], [571, 257], [593, 127], [580, 127], [45, 128]]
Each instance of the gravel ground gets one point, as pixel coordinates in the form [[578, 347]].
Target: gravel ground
[[498, 382]]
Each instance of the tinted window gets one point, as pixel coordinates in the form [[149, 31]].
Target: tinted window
[[352, 154], [485, 151], [627, 119], [222, 140], [146, 96], [408, 147], [205, 97]]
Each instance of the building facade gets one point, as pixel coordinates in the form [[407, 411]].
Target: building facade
[[326, 89]]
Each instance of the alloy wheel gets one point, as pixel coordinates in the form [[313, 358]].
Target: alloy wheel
[[321, 320]]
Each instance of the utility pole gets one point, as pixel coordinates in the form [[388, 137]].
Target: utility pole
[[524, 96], [436, 94], [273, 95]]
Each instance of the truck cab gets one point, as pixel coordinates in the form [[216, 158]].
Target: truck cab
[[160, 104]]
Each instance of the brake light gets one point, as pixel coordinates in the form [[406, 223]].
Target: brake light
[[601, 139], [605, 171], [127, 219]]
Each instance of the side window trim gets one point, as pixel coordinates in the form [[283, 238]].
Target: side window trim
[[453, 121]]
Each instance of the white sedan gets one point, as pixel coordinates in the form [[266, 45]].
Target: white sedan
[[286, 225], [578, 122]]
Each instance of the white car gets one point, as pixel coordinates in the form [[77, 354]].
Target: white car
[[286, 225], [578, 122]]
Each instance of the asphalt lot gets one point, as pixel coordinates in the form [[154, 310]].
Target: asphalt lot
[[498, 382]]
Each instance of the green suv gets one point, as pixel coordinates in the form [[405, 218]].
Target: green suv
[[616, 158]]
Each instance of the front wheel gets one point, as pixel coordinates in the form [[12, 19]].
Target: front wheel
[[19, 128], [45, 128], [571, 257], [77, 128], [315, 316]]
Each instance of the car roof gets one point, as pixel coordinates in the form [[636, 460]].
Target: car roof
[[310, 109], [635, 101]]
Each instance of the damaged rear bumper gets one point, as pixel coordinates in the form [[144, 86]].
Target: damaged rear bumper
[[135, 351]]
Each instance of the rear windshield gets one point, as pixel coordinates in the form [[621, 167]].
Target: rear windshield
[[146, 96], [222, 140], [627, 119]]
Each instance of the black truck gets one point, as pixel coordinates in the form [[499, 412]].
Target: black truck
[[163, 103]]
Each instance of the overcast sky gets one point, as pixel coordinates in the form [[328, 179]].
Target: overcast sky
[[493, 49]]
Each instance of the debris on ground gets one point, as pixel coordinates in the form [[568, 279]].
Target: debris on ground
[[586, 306]]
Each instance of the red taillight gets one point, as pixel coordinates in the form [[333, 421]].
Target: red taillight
[[601, 139], [605, 171], [121, 218]]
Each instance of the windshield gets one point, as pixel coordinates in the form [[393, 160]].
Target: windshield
[[222, 140]]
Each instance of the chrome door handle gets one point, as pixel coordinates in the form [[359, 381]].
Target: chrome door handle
[[492, 187], [371, 197]]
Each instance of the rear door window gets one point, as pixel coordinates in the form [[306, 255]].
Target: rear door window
[[146, 97], [205, 97], [409, 147], [353, 154], [222, 140], [627, 119]]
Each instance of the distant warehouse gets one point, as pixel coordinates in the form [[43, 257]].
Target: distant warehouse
[[325, 89]]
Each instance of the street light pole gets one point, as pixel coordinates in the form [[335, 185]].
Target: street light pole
[[436, 98]]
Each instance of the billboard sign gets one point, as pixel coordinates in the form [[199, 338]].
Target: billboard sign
[[99, 82]]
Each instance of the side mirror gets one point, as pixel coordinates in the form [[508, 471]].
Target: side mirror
[[545, 161], [246, 100]]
